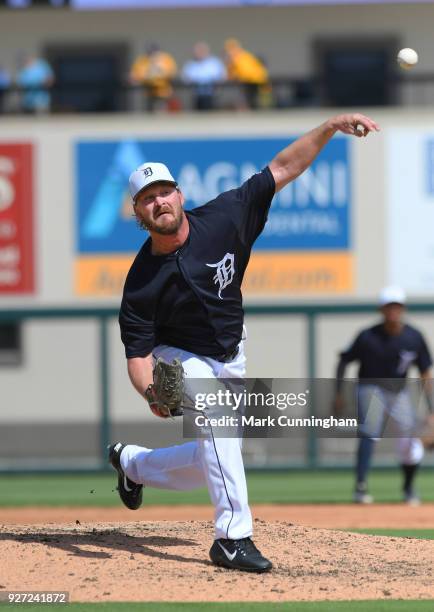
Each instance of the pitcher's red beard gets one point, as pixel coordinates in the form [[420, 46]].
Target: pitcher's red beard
[[165, 224]]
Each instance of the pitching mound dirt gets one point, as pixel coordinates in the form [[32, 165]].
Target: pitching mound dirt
[[168, 561]]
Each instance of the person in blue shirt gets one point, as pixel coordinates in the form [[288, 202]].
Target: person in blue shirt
[[385, 353], [35, 77], [204, 71]]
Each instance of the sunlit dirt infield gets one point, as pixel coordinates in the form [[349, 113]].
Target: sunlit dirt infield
[[98, 554]]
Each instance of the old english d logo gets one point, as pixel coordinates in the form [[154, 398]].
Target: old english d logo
[[225, 272]]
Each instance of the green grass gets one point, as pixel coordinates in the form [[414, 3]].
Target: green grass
[[421, 534], [264, 487], [316, 606]]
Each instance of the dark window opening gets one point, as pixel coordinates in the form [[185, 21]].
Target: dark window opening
[[89, 79], [357, 72], [10, 344]]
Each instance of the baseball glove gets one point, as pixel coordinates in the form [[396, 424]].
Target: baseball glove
[[427, 433], [166, 394]]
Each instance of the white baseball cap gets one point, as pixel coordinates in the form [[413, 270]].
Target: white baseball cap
[[392, 295], [148, 174]]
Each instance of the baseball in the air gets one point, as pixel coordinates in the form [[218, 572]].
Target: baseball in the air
[[407, 58]]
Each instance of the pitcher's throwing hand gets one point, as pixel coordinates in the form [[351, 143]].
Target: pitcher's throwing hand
[[354, 124]]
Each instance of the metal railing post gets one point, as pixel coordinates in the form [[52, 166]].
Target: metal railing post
[[104, 391], [312, 442]]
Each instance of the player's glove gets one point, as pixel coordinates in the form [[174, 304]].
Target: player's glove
[[166, 394]]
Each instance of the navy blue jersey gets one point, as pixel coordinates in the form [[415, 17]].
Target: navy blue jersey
[[192, 299], [383, 356]]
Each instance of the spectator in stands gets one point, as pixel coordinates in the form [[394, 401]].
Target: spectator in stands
[[5, 83], [35, 77], [204, 71], [244, 67], [155, 69]]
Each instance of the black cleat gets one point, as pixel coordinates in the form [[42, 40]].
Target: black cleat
[[129, 492], [239, 554]]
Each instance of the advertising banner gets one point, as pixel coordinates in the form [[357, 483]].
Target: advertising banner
[[305, 246], [410, 212], [16, 219]]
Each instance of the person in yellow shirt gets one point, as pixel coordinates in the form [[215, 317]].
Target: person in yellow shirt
[[155, 69], [244, 67]]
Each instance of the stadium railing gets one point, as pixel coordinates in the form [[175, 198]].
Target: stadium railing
[[285, 92], [105, 315]]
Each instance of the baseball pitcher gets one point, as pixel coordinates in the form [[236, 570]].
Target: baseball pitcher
[[182, 306]]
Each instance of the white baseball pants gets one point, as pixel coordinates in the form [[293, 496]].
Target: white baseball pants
[[377, 406], [213, 462]]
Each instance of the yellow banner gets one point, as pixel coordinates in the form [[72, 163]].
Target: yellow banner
[[270, 272], [101, 276], [299, 272]]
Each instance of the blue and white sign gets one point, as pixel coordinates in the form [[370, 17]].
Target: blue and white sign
[[430, 166], [410, 184], [311, 213]]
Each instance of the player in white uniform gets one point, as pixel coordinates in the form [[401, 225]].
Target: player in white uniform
[[182, 299]]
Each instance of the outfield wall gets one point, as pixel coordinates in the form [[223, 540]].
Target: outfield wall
[[365, 218], [57, 382]]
